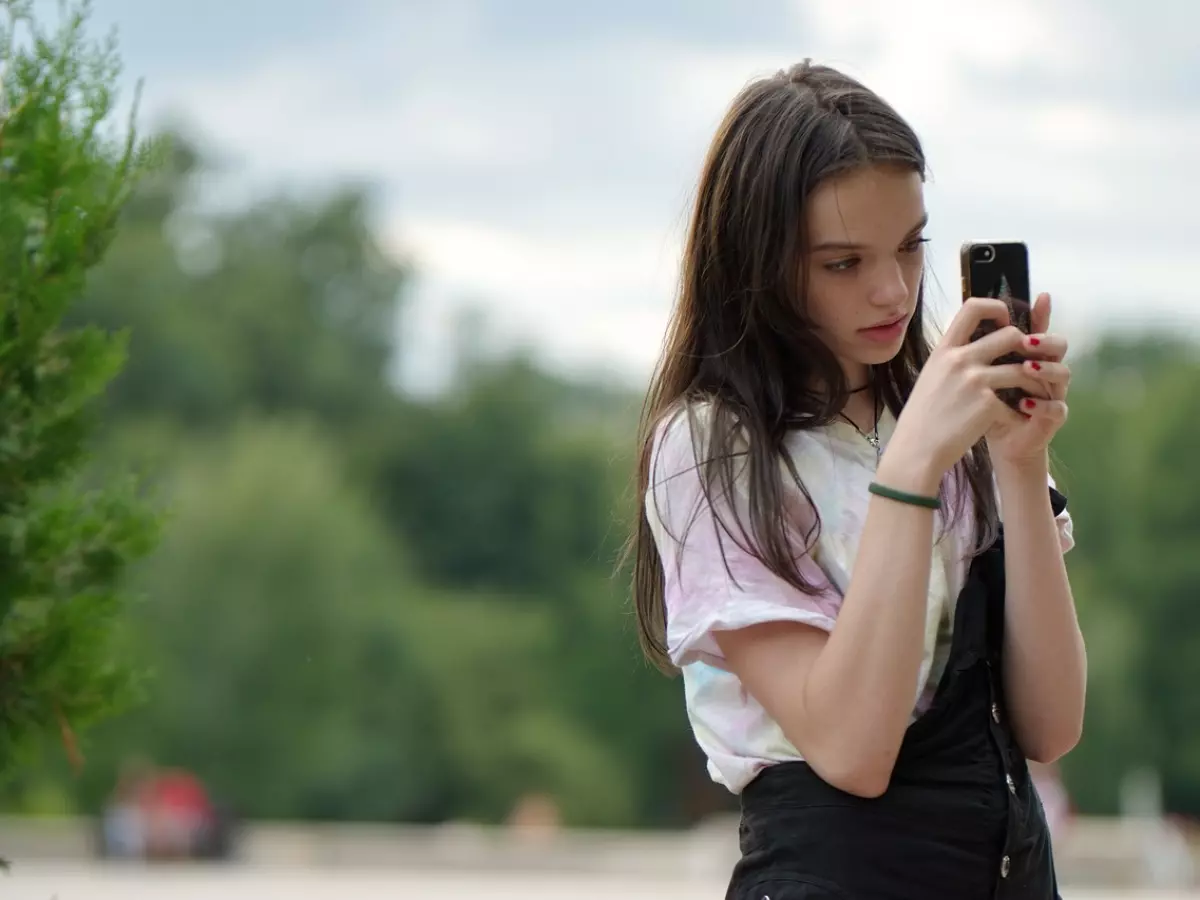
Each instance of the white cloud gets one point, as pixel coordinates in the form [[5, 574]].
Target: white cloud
[[478, 260], [917, 53], [291, 117], [581, 298]]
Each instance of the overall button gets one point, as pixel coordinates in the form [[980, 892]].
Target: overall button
[[1005, 865], [1012, 785], [996, 713]]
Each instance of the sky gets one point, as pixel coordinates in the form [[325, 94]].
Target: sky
[[535, 159]]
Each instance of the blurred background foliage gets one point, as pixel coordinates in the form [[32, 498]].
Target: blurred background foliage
[[375, 606]]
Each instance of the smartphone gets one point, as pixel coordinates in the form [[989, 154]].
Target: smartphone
[[999, 269]]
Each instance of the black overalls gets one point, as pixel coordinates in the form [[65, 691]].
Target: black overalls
[[960, 820]]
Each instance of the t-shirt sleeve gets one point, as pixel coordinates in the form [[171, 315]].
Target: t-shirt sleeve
[[713, 582], [1062, 517]]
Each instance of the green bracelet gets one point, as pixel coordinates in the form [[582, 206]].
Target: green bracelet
[[904, 497]]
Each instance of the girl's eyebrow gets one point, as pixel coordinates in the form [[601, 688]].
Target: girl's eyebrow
[[844, 245]]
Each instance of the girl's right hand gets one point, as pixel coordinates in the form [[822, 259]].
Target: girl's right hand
[[954, 402]]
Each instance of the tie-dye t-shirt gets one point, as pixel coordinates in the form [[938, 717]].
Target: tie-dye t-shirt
[[713, 584]]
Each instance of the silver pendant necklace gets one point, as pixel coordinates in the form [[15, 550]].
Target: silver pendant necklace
[[872, 436]]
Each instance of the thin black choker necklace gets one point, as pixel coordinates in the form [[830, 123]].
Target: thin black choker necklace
[[872, 436]]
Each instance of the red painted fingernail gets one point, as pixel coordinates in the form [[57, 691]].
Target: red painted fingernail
[[1033, 342], [1030, 404], [1037, 366]]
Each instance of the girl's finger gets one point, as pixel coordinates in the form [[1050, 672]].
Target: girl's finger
[[1039, 316], [1049, 410], [1044, 346], [1049, 372]]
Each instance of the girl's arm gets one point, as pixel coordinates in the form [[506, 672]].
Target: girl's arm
[[1045, 663], [845, 699]]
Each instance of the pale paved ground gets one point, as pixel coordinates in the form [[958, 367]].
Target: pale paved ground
[[91, 883]]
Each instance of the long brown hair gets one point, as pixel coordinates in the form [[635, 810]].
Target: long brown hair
[[740, 337]]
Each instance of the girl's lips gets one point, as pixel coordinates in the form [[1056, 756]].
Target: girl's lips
[[885, 333]]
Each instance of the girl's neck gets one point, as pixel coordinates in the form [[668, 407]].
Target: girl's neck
[[862, 406], [862, 409]]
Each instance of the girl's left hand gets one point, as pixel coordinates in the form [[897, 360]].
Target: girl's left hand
[[1024, 436]]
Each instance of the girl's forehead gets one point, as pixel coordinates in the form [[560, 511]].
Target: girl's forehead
[[864, 206]]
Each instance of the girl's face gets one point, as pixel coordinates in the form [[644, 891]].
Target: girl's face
[[865, 259]]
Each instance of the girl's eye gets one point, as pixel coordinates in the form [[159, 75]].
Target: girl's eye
[[852, 262], [842, 265]]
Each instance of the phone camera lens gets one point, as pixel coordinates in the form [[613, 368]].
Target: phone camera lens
[[985, 253]]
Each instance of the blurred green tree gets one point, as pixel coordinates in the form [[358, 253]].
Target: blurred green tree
[[510, 480], [287, 305], [284, 673], [1127, 465], [64, 549]]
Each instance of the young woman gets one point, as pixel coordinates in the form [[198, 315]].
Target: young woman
[[851, 547]]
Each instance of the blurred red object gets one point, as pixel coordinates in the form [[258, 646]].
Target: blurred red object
[[177, 811]]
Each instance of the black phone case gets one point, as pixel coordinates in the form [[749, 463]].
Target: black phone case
[[1003, 276]]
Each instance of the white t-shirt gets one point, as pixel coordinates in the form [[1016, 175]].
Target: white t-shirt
[[706, 592]]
